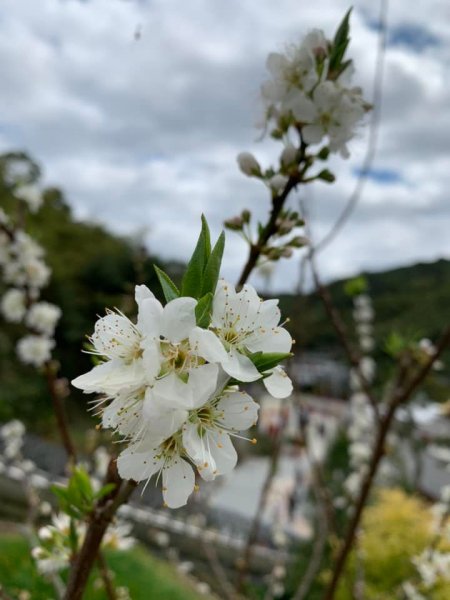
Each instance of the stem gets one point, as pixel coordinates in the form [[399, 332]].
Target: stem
[[100, 520], [104, 571], [400, 395], [271, 225], [256, 523], [58, 407]]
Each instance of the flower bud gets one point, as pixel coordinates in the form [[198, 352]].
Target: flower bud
[[289, 155], [323, 153], [327, 176], [299, 241], [277, 183], [234, 224], [248, 164]]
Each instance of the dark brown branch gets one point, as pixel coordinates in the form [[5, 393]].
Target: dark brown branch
[[400, 395], [99, 522], [271, 225]]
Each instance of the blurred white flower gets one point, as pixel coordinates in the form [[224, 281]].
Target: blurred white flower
[[42, 317], [35, 349], [13, 305], [31, 195]]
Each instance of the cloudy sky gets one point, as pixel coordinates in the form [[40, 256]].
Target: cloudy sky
[[138, 108]]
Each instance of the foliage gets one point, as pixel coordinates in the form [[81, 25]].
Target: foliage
[[395, 528], [151, 578]]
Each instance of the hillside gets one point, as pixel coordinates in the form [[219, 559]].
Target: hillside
[[411, 300]]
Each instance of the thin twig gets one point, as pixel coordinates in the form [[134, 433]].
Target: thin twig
[[270, 228], [318, 550], [60, 414], [245, 562], [219, 572], [105, 573]]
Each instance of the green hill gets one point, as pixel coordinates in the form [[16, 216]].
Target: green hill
[[413, 301]]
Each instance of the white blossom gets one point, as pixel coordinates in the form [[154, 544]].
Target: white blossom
[[42, 317], [35, 349], [203, 439], [241, 324], [13, 305], [31, 195]]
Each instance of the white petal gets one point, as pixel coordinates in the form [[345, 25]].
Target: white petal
[[240, 367], [239, 411], [111, 377], [223, 452], [203, 383], [278, 384], [164, 406], [162, 424], [276, 339], [123, 414], [198, 450], [224, 297], [149, 317], [206, 344], [138, 465], [312, 134], [178, 483], [141, 292], [151, 358], [269, 314], [301, 106], [178, 319]]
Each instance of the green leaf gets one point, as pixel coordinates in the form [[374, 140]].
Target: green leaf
[[340, 42], [357, 285], [105, 490], [193, 278], [73, 537], [169, 289], [61, 493], [83, 483], [212, 269], [203, 310], [264, 361]]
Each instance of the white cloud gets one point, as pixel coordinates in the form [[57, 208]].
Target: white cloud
[[146, 131]]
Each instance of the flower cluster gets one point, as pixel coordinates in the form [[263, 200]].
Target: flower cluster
[[170, 386], [60, 541], [310, 89], [362, 427], [24, 269]]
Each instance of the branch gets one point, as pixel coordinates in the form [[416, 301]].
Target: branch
[[58, 407], [271, 226], [245, 562], [101, 517], [400, 395], [104, 571]]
